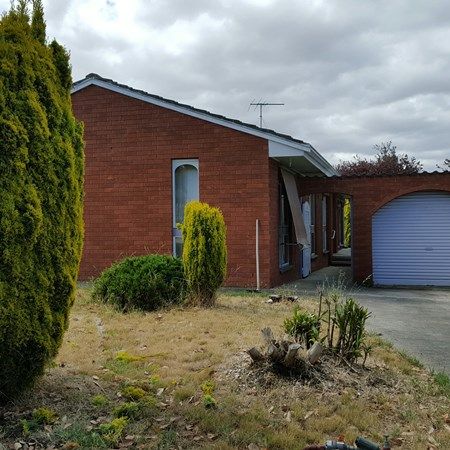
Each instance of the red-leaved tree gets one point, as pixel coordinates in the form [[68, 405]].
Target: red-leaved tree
[[386, 162]]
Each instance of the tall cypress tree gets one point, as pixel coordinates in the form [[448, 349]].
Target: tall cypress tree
[[41, 193]]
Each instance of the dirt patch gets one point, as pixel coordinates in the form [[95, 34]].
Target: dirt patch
[[329, 375]]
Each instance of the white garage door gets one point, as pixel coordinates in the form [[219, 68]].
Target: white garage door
[[411, 240]]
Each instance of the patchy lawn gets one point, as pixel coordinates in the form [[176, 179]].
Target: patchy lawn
[[182, 379]]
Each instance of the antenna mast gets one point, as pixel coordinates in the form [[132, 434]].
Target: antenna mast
[[261, 104]]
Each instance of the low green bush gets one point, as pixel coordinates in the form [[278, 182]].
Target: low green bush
[[44, 416], [133, 392], [350, 319], [129, 410], [303, 327], [113, 431], [145, 282]]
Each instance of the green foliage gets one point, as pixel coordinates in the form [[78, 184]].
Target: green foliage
[[99, 400], [28, 426], [208, 387], [126, 357], [76, 433], [167, 440], [350, 319], [112, 431], [149, 402], [44, 416], [41, 195], [129, 410], [133, 392], [143, 282], [209, 401], [303, 327], [38, 27], [39, 417], [347, 223], [204, 251], [443, 382]]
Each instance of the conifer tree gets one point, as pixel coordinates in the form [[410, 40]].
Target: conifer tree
[[41, 193]]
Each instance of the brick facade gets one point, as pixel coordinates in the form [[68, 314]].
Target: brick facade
[[130, 146], [129, 150], [368, 195]]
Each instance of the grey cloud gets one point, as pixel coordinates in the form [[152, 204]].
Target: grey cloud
[[351, 73]]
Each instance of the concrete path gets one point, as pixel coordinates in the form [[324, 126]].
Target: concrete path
[[414, 320]]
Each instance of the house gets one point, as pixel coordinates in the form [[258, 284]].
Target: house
[[146, 156]]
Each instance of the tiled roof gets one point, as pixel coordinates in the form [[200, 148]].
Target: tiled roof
[[94, 76], [416, 174]]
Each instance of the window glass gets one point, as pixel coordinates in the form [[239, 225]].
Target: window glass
[[284, 229], [312, 202], [324, 223], [186, 189]]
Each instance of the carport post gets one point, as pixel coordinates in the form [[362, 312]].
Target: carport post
[[257, 256]]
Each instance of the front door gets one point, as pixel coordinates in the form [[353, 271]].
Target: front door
[[306, 251]]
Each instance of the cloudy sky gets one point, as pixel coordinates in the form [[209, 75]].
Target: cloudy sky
[[351, 73]]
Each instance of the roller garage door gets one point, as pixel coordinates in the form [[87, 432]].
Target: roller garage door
[[411, 240]]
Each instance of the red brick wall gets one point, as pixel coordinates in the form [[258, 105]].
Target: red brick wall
[[130, 145], [368, 195]]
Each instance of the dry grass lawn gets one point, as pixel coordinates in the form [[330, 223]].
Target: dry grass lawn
[[171, 358]]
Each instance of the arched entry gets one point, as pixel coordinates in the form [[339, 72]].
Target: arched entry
[[411, 240]]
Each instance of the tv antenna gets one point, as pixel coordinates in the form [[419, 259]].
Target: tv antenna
[[261, 105]]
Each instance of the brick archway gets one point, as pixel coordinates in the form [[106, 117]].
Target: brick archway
[[393, 196], [368, 195]]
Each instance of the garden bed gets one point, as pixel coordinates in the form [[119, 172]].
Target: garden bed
[[178, 357]]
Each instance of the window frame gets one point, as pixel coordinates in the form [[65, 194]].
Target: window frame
[[325, 248], [312, 203], [284, 229], [176, 163]]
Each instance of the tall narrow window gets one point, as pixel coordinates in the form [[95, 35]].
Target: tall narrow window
[[284, 229], [340, 223], [312, 202], [185, 187], [324, 223]]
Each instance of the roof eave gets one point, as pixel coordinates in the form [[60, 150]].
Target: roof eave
[[185, 110], [303, 148]]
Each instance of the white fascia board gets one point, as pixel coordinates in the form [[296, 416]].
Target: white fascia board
[[332, 171], [188, 111], [321, 163], [277, 149]]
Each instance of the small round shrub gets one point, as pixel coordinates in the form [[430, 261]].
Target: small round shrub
[[145, 282]]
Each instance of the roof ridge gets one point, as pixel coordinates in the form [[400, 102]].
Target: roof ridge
[[192, 108], [386, 175]]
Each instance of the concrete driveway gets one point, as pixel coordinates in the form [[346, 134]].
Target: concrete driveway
[[414, 320]]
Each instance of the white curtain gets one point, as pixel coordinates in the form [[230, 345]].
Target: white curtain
[[186, 189]]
